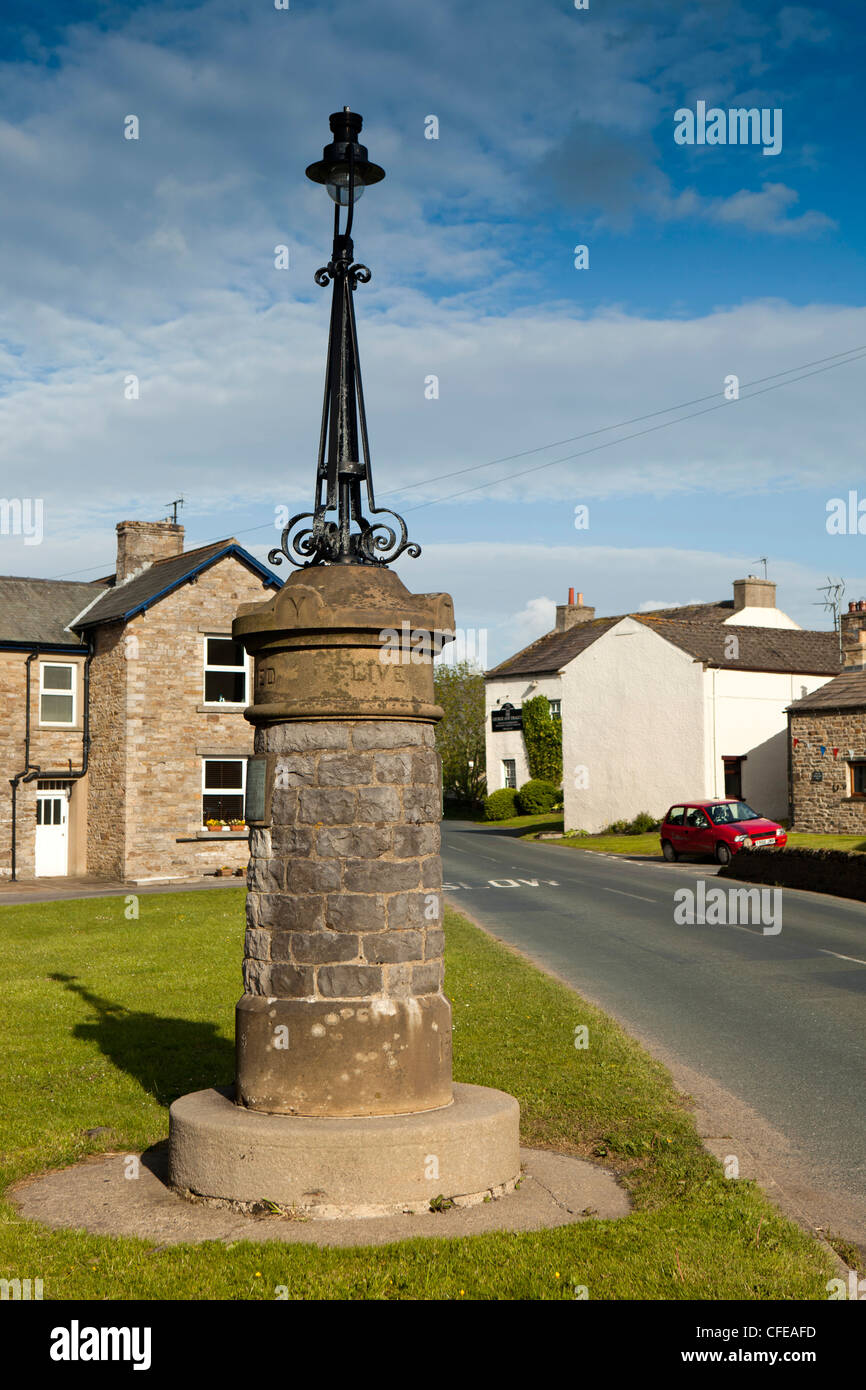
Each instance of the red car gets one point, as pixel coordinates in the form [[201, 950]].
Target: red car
[[719, 828]]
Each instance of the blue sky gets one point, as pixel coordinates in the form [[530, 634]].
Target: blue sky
[[156, 257]]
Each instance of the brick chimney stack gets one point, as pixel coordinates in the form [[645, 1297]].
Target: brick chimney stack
[[567, 614], [853, 629], [139, 543], [754, 593]]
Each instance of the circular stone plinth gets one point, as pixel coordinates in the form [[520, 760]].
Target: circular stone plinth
[[96, 1196], [348, 1167]]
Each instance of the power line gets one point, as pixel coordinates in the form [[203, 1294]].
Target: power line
[[596, 448], [833, 360], [635, 420]]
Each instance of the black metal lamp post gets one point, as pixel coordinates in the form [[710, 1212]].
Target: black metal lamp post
[[345, 171]]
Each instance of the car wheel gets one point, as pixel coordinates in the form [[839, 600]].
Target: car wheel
[[723, 853], [669, 852]]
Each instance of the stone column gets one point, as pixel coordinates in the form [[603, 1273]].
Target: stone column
[[344, 1104], [343, 1011]]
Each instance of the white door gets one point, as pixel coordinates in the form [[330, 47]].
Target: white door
[[52, 833]]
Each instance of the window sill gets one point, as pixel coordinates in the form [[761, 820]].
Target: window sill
[[221, 834], [223, 708]]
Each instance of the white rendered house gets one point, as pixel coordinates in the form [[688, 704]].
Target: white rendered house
[[663, 706]]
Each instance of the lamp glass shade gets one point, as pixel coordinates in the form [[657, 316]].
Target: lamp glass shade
[[338, 185]]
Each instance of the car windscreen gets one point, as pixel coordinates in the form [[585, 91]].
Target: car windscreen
[[729, 812]]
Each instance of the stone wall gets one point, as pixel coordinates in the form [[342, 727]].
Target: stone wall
[[344, 934], [345, 887], [826, 805], [151, 730], [106, 778], [53, 749], [817, 870]]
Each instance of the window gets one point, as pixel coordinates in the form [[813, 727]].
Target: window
[[56, 694], [676, 815], [858, 778], [222, 789], [49, 810], [509, 773], [555, 709], [696, 818], [225, 672]]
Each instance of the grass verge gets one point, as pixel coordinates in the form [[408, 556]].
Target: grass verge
[[649, 844], [106, 1020]]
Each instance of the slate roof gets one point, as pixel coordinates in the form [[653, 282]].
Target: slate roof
[[759, 648], [698, 629], [550, 653], [122, 601], [847, 691], [36, 611]]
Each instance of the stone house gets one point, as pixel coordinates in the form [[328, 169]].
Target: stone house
[[661, 705], [123, 699], [827, 742]]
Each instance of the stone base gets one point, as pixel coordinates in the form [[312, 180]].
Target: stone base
[[344, 1057], [369, 1166]]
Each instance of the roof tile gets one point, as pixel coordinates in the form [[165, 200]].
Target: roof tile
[[698, 629]]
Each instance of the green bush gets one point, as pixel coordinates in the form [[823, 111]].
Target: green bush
[[642, 823], [501, 805], [537, 796]]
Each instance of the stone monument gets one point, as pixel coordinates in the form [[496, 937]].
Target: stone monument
[[344, 1103]]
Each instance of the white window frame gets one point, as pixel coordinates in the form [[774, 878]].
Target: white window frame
[[73, 691], [505, 764], [215, 791], [555, 713], [210, 666]]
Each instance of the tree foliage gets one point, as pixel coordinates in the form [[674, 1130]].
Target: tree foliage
[[542, 735], [460, 734]]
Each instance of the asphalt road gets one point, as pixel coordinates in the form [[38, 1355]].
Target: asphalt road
[[774, 1023]]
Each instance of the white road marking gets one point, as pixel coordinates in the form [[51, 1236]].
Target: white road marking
[[621, 894], [840, 957]]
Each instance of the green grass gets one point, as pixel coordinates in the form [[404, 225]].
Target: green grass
[[549, 820], [616, 844], [649, 843], [803, 840], [106, 1020]]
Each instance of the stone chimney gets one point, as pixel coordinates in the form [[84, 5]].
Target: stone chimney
[[853, 628], [754, 593], [567, 614], [139, 543]]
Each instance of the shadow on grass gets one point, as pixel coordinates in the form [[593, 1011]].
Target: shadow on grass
[[166, 1056]]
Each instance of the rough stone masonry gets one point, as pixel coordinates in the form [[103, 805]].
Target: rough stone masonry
[[343, 1011]]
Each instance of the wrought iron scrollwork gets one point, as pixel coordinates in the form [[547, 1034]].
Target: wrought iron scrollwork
[[344, 450]]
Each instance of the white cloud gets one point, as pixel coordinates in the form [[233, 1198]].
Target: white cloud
[[768, 211], [536, 618]]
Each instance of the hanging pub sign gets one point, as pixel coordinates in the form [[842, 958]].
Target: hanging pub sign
[[506, 717]]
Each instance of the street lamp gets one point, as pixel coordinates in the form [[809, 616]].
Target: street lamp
[[343, 468]]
